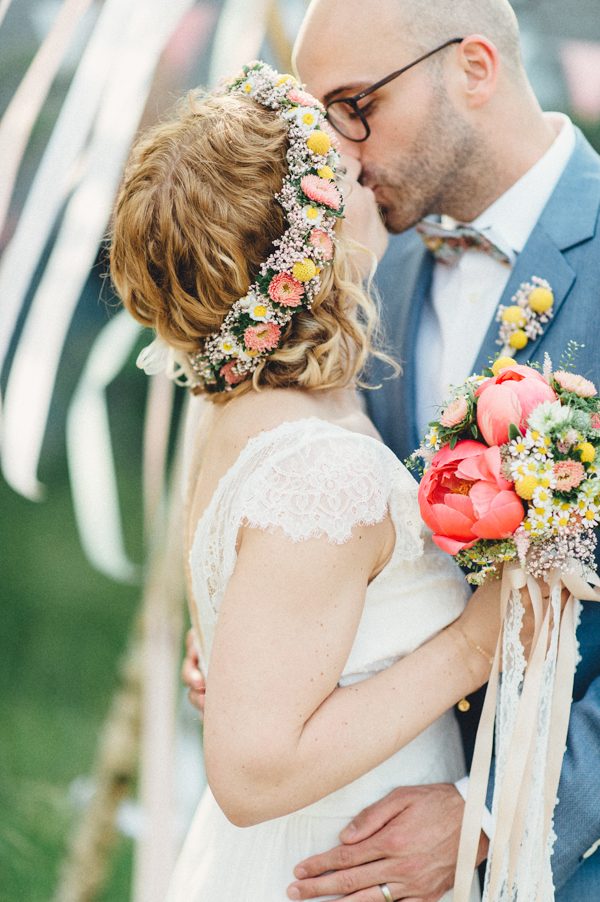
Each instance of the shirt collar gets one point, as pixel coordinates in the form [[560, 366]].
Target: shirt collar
[[510, 220]]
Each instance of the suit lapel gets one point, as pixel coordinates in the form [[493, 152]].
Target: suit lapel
[[568, 219]]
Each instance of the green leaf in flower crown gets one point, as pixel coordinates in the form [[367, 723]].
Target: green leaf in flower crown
[[513, 432], [453, 442], [474, 431]]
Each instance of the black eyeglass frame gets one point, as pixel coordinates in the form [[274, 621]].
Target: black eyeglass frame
[[353, 101]]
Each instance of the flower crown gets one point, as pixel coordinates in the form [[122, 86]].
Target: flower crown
[[289, 279]]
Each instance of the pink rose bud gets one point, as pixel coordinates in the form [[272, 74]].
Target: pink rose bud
[[454, 413]]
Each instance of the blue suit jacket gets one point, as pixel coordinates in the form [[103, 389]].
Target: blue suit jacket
[[564, 248]]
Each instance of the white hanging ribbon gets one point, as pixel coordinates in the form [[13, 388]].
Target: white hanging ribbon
[[90, 454], [25, 104], [240, 33], [54, 177], [33, 372], [530, 741]]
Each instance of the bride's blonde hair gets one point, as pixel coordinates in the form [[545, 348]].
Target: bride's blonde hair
[[195, 217]]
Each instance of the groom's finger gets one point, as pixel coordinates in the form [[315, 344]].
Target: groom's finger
[[376, 816], [338, 859], [345, 883]]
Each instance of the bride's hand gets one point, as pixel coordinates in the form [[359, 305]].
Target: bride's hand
[[479, 624], [478, 628]]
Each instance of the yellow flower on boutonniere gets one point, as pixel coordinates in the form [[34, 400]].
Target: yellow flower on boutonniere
[[525, 318]]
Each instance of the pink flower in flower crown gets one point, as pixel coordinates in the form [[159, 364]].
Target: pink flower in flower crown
[[263, 337], [455, 412], [463, 497], [576, 384], [321, 191], [321, 240], [302, 97], [228, 373], [509, 398], [596, 421], [286, 290], [568, 474]]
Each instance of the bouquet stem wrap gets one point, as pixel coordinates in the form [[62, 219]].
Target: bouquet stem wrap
[[529, 705]]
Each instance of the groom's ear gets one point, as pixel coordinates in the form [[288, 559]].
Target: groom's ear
[[479, 62]]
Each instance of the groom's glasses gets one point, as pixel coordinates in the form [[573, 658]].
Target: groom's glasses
[[350, 120]]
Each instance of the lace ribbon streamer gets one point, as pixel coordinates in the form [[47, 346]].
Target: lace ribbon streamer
[[531, 707]]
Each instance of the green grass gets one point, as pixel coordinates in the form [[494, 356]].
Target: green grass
[[64, 628]]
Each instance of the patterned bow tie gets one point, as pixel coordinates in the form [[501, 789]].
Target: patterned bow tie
[[449, 244]]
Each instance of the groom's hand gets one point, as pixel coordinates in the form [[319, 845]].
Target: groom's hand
[[409, 840]]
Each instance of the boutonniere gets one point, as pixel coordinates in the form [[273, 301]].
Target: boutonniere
[[525, 319]]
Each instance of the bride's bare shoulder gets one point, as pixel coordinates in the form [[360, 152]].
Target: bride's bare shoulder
[[244, 417]]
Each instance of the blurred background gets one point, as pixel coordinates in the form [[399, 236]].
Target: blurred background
[[85, 590]]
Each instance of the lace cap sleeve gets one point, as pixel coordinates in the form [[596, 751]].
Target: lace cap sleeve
[[319, 484]]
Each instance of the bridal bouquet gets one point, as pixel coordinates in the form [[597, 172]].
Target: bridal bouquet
[[511, 488], [512, 471]]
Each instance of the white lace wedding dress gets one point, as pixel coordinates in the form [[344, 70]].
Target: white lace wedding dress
[[312, 478]]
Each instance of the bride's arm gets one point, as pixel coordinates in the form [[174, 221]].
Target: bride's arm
[[278, 732]]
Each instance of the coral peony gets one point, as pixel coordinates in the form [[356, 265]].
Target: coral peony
[[321, 191], [286, 290], [464, 497], [509, 398], [264, 337]]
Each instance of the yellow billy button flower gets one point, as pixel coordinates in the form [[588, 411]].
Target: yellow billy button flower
[[311, 212], [587, 452], [502, 363], [541, 300], [305, 270], [526, 487], [319, 142], [518, 340], [325, 172], [514, 316], [283, 79], [260, 310]]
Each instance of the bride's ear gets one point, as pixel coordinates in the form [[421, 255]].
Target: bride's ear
[[480, 63]]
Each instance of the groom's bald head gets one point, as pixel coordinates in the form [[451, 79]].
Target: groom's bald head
[[436, 128], [425, 23]]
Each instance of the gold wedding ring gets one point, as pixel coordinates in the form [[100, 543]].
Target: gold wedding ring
[[385, 891]]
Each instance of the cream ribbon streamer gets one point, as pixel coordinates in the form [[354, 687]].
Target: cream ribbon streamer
[[90, 456], [32, 375], [518, 867], [25, 104]]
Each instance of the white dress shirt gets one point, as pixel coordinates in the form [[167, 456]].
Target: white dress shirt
[[465, 295]]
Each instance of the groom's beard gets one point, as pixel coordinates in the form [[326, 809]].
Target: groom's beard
[[442, 168]]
